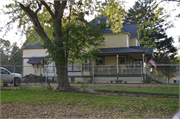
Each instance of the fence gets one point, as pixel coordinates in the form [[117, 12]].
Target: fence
[[104, 77]]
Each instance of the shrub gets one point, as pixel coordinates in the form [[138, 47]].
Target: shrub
[[152, 83]]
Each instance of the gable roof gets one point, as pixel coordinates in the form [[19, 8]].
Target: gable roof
[[131, 28], [30, 46]]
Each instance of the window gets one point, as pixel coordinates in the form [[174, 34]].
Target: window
[[3, 71], [104, 23], [74, 67], [122, 60], [137, 43], [100, 61], [86, 66], [49, 68], [128, 41]]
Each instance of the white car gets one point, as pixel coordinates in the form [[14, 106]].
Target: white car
[[8, 77]]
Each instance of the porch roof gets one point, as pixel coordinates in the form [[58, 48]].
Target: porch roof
[[34, 60], [133, 51]]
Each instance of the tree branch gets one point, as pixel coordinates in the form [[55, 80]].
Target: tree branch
[[37, 25], [164, 1], [39, 5], [61, 9], [48, 8]]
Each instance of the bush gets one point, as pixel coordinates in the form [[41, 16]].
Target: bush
[[152, 83], [148, 79], [1, 82], [79, 82]]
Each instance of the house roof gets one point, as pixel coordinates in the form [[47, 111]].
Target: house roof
[[30, 46], [131, 28], [131, 49]]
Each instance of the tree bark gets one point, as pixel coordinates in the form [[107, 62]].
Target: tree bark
[[62, 76]]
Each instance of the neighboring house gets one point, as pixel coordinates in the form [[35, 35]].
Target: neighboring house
[[119, 56]]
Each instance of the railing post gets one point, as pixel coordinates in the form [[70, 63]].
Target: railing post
[[141, 76], [46, 76], [93, 77]]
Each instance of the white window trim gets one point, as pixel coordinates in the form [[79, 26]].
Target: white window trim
[[128, 40]]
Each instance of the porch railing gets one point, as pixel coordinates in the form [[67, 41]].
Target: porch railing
[[121, 71]]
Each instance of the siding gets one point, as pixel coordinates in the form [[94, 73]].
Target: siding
[[34, 53], [114, 40]]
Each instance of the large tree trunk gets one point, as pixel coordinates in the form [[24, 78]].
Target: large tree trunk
[[62, 76]]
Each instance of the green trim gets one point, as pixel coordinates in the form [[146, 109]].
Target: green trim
[[113, 54], [32, 48], [117, 75], [27, 58], [79, 76]]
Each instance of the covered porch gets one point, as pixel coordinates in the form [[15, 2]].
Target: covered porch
[[122, 61]]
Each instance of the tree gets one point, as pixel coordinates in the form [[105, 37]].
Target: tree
[[10, 55], [167, 70], [62, 29], [5, 51], [152, 30], [155, 34], [15, 58]]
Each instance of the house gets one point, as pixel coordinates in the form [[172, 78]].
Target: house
[[120, 58]]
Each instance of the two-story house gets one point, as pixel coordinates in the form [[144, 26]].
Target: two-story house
[[120, 56]]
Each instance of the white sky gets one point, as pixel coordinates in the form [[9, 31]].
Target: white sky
[[174, 32]]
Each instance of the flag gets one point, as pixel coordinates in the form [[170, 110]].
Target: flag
[[152, 62]]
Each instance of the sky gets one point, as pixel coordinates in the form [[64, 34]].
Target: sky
[[174, 32]]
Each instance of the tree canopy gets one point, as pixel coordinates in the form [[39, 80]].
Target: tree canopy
[[11, 55], [63, 29]]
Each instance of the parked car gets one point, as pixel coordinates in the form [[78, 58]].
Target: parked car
[[8, 77]]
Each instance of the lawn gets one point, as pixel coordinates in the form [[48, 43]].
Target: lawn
[[148, 89], [39, 103]]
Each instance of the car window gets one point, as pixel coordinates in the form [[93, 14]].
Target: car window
[[3, 71]]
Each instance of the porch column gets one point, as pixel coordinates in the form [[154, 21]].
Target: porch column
[[117, 63], [143, 63]]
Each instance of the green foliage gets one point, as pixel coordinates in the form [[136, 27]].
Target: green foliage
[[5, 51], [115, 14], [11, 55], [152, 83], [16, 58]]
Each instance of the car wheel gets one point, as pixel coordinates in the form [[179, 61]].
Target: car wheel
[[16, 82], [4, 84]]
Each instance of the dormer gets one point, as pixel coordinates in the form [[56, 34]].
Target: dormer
[[104, 21]]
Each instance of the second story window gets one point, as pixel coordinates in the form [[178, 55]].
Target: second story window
[[104, 23], [137, 43]]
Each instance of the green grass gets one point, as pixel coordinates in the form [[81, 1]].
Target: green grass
[[35, 103], [148, 89]]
